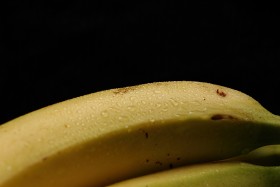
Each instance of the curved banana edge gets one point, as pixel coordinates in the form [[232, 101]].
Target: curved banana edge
[[268, 155], [116, 134], [229, 174]]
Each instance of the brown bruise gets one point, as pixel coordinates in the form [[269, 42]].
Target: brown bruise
[[223, 116], [123, 90], [158, 163], [145, 133], [221, 93]]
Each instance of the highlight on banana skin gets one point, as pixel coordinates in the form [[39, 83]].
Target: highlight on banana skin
[[172, 133]]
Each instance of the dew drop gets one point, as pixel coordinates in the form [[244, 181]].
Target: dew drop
[[158, 105], [80, 123], [143, 102], [104, 114], [152, 120], [164, 109], [132, 98], [174, 102], [157, 92], [131, 108]]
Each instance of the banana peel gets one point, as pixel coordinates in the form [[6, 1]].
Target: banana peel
[[258, 168], [117, 134]]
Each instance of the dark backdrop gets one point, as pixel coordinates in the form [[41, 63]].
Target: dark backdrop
[[55, 50]]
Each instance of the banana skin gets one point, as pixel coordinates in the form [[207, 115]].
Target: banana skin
[[259, 168], [223, 174], [268, 155], [112, 135]]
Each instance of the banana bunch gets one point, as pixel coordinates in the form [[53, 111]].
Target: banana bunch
[[177, 133]]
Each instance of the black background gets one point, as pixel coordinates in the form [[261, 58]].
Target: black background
[[56, 50]]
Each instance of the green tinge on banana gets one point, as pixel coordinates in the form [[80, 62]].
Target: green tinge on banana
[[223, 174], [112, 135], [268, 155], [259, 168]]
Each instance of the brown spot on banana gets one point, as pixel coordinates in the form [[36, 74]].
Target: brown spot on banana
[[223, 117], [221, 93], [123, 90]]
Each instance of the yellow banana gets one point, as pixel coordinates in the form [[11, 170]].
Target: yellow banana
[[220, 174], [112, 135]]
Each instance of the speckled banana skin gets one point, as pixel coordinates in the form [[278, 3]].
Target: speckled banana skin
[[112, 135], [219, 174]]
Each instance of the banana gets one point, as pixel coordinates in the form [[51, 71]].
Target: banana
[[220, 174], [268, 155], [244, 170], [116, 134]]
